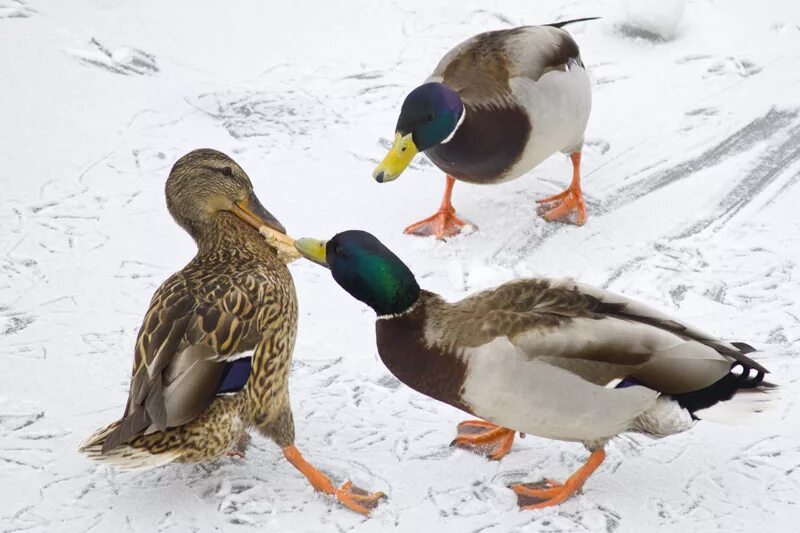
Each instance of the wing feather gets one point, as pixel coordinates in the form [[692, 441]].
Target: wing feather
[[481, 67], [564, 321], [190, 330]]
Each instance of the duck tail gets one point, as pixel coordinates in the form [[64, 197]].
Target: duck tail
[[565, 22], [123, 456], [734, 399]]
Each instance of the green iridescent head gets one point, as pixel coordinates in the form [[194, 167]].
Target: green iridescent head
[[430, 116], [366, 269]]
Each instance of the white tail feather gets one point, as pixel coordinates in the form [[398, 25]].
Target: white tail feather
[[743, 408]]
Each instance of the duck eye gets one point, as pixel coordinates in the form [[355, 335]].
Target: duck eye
[[430, 116], [228, 171]]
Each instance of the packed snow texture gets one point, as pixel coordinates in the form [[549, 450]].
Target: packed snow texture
[[657, 19], [692, 178]]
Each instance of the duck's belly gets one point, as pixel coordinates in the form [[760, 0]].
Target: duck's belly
[[558, 105], [528, 395]]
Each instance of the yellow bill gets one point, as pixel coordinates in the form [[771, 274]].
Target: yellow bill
[[313, 250], [397, 160]]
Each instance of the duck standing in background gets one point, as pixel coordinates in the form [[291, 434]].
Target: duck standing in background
[[552, 358], [212, 357], [496, 106]]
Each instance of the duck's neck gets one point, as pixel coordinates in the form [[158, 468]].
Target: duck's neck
[[226, 234], [412, 356], [458, 125], [404, 309]]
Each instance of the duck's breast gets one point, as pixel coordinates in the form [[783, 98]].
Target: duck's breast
[[558, 106], [430, 370], [490, 142]]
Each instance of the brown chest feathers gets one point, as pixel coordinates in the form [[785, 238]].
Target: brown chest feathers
[[429, 370], [486, 146]]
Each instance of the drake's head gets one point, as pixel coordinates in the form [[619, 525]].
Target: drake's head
[[430, 115], [366, 269], [204, 183]]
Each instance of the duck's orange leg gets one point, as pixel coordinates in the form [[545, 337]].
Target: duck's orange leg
[[569, 200], [548, 492], [443, 223], [484, 438], [351, 496]]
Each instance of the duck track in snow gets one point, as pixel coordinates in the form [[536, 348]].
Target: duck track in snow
[[768, 169], [744, 139]]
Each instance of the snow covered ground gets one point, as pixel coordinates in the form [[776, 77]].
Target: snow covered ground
[[692, 176]]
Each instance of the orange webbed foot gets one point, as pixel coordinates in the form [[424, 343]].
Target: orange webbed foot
[[547, 492], [442, 224], [349, 495], [358, 499], [544, 493], [569, 201], [484, 438]]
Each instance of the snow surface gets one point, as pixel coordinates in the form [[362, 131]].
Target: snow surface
[[658, 18], [692, 167]]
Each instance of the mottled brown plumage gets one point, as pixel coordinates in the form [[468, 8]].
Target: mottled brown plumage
[[236, 296]]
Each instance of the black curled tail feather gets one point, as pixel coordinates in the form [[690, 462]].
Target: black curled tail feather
[[723, 389], [565, 22], [743, 347]]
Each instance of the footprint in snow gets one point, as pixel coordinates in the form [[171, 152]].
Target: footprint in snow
[[124, 60], [15, 9], [733, 66], [597, 145], [702, 112]]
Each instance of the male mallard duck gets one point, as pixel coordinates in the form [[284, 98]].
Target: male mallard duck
[[195, 388], [496, 106], [552, 358]]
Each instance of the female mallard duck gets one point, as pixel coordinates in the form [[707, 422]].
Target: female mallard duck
[[195, 389], [496, 106], [552, 358]]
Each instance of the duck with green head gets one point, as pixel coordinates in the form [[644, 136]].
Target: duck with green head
[[552, 358], [496, 106]]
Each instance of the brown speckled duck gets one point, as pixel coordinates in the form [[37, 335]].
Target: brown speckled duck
[[213, 354], [494, 107], [552, 358]]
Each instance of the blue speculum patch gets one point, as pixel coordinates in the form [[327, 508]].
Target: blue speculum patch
[[235, 375]]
